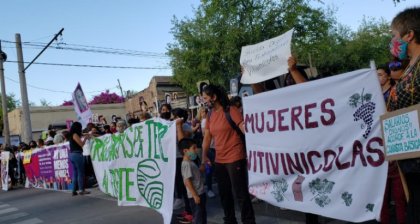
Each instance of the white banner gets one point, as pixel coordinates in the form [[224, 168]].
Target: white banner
[[319, 148], [5, 156], [267, 59], [84, 114], [138, 166]]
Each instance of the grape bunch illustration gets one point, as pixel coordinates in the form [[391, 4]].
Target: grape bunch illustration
[[365, 111], [347, 197], [151, 189], [279, 187], [321, 189], [369, 207]]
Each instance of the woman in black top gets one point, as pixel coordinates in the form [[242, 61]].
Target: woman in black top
[[76, 158]]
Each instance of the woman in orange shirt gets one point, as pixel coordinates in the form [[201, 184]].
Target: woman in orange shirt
[[230, 162]]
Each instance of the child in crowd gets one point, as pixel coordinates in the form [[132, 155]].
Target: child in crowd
[[193, 180]]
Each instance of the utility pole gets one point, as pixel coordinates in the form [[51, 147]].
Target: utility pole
[[27, 126], [6, 131], [27, 129], [122, 93]]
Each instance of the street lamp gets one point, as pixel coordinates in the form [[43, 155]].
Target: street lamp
[[3, 56]]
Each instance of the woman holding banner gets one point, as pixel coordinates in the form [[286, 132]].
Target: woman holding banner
[[406, 44], [230, 162], [76, 158]]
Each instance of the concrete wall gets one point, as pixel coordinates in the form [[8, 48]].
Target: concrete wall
[[41, 117]]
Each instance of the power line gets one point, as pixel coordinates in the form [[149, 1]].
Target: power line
[[56, 91], [95, 66], [95, 49]]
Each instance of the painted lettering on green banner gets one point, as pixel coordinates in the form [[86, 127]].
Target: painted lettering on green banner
[[120, 182], [156, 132], [130, 143]]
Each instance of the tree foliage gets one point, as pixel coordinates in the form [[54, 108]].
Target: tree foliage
[[102, 98], [45, 103], [67, 103], [347, 50], [208, 45], [106, 98], [12, 103]]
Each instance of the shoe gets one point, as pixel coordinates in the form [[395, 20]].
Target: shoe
[[186, 220], [182, 215], [178, 204], [211, 194], [84, 192], [95, 185], [74, 193]]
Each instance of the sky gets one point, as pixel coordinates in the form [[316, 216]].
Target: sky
[[141, 27]]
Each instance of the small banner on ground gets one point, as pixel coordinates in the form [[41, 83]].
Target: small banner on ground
[[5, 156], [138, 166], [266, 60], [49, 168], [83, 112], [319, 149]]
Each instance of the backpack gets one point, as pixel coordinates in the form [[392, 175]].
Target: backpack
[[233, 125]]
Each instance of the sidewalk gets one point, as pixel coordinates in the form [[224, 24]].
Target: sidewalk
[[264, 214]]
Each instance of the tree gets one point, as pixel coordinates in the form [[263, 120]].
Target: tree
[[106, 98], [130, 93], [103, 98], [67, 103], [45, 103], [208, 46], [12, 103], [347, 50]]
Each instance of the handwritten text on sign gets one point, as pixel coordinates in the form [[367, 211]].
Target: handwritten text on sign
[[402, 133], [267, 59]]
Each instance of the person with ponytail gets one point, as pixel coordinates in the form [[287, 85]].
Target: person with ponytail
[[230, 162]]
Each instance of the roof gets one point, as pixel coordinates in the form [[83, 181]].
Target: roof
[[162, 79]]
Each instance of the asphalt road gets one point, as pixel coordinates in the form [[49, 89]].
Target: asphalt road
[[33, 206]]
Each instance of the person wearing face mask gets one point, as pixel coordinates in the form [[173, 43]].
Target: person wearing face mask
[[406, 44], [184, 130], [394, 188], [165, 111], [193, 180], [230, 162]]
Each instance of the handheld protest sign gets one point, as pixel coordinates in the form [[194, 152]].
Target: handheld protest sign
[[401, 133]]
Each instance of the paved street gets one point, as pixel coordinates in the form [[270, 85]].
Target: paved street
[[33, 206]]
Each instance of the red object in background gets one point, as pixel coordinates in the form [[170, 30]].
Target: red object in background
[[32, 169]]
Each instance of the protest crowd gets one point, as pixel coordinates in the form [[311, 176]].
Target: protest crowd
[[210, 146]]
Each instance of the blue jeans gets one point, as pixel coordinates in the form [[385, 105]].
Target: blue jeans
[[199, 212], [78, 171]]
